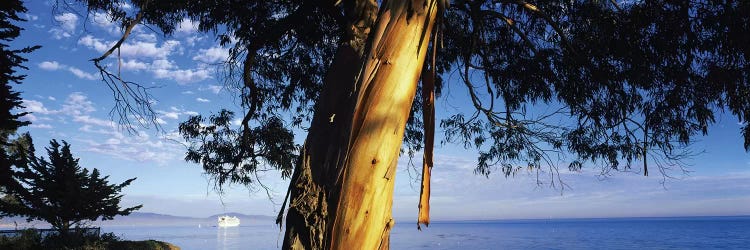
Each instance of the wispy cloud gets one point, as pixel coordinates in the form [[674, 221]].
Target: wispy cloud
[[50, 65], [30, 17], [82, 74], [54, 66], [136, 49], [36, 107], [67, 25], [187, 26], [150, 56], [103, 135], [622, 195], [41, 126], [78, 104], [213, 88], [212, 55], [202, 100]]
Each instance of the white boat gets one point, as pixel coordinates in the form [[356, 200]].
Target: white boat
[[229, 221]]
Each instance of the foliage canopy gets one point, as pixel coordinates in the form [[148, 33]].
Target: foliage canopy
[[625, 82]]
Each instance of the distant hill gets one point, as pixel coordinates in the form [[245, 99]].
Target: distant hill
[[147, 219]]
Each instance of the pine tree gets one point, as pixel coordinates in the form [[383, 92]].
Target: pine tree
[[58, 190], [10, 59]]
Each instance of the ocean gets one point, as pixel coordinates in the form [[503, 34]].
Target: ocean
[[616, 233]]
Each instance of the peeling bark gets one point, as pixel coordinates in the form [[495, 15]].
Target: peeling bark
[[386, 88], [428, 116], [341, 192]]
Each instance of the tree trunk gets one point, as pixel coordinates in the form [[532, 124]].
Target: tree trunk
[[342, 189]]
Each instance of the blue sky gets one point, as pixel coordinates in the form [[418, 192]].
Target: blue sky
[[69, 102]]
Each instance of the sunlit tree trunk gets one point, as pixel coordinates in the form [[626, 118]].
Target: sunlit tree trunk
[[342, 189]]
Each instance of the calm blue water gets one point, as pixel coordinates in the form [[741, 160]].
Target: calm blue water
[[632, 233]]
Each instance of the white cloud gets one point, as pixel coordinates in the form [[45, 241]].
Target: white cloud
[[192, 40], [162, 64], [77, 104], [82, 74], [175, 112], [213, 88], [146, 37], [29, 117], [126, 6], [137, 49], [212, 55], [183, 76], [41, 126], [30, 17], [171, 115], [94, 43], [188, 92], [146, 53], [134, 65], [137, 147], [108, 140], [67, 25], [187, 26], [202, 100], [52, 98], [104, 21], [36, 107], [142, 49], [113, 141], [86, 119], [50, 65], [54, 65]]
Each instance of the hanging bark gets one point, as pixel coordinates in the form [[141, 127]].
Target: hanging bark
[[428, 117]]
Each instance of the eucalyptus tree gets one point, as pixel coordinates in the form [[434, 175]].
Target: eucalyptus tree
[[629, 82]]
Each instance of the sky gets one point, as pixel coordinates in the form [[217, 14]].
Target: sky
[[69, 102]]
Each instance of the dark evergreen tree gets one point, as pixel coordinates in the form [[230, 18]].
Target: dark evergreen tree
[[10, 100], [59, 191], [10, 61]]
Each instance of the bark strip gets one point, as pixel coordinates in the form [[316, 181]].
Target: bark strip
[[428, 117]]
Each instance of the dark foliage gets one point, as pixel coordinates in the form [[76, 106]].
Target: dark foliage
[[637, 81], [228, 155], [58, 190], [10, 61], [550, 81], [79, 239]]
